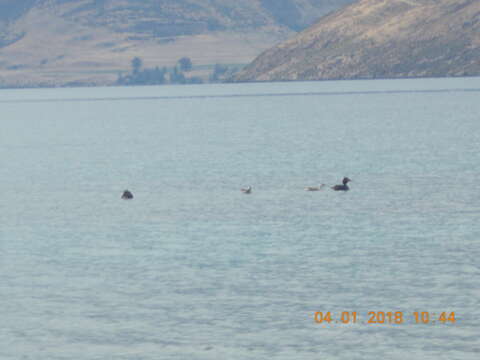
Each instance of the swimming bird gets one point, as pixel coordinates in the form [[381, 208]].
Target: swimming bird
[[247, 190], [314, 188], [343, 187], [127, 195]]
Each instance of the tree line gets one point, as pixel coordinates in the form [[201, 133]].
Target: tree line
[[177, 74]]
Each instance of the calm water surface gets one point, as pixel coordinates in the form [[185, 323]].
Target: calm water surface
[[194, 269]]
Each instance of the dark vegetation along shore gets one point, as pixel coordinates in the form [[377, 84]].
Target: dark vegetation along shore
[[181, 73]]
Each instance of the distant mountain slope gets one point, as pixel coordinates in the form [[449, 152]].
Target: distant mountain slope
[[58, 41], [379, 39], [184, 16]]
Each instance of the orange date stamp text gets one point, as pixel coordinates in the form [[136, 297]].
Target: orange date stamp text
[[385, 317]]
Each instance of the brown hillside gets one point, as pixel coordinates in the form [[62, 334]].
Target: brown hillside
[[56, 42], [379, 39]]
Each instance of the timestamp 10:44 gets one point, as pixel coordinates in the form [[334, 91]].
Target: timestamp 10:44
[[381, 317]]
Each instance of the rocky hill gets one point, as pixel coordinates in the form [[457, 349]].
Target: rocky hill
[[53, 42], [379, 39]]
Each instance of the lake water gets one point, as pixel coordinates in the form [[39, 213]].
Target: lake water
[[194, 269]]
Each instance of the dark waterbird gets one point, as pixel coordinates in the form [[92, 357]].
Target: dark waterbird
[[343, 187], [127, 195]]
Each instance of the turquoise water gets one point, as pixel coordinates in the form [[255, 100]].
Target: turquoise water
[[194, 269]]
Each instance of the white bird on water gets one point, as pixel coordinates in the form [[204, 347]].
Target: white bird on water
[[247, 190], [314, 188]]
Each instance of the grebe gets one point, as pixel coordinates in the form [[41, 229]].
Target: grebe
[[343, 187]]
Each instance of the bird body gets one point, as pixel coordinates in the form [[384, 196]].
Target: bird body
[[127, 195], [343, 187], [247, 190], [314, 188]]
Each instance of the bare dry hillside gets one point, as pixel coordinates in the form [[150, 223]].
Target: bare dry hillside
[[54, 42], [379, 39]]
